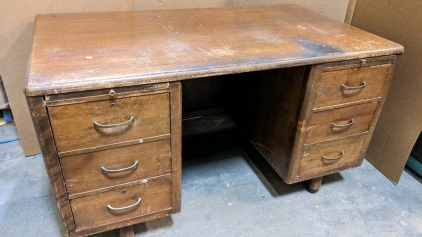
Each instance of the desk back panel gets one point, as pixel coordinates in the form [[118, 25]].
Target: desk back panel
[[202, 94]]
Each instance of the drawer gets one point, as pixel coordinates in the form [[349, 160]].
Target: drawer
[[136, 117], [96, 170], [361, 84], [324, 157], [336, 123], [138, 200]]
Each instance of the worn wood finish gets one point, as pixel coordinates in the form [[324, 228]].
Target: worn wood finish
[[82, 172], [86, 184], [51, 161], [356, 63], [330, 93], [380, 100], [247, 101], [176, 146], [114, 145], [161, 46], [312, 161], [320, 124], [77, 59], [303, 121], [91, 211], [104, 94], [381, 104], [265, 106], [122, 223], [84, 99], [73, 126]]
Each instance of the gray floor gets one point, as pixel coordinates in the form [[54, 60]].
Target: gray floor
[[228, 190]]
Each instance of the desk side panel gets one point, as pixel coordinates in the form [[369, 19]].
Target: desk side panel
[[48, 148], [176, 145], [265, 105]]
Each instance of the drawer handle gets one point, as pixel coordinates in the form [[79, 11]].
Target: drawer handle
[[126, 123], [345, 88], [333, 158], [104, 170], [118, 210], [333, 125]]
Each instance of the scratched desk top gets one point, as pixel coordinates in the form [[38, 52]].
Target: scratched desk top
[[86, 51]]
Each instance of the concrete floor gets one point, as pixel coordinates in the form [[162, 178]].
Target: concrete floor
[[228, 190]]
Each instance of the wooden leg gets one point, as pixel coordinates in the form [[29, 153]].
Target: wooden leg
[[313, 185], [127, 231]]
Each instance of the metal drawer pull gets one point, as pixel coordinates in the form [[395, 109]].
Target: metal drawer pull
[[345, 88], [126, 123], [122, 209], [104, 170], [333, 158], [333, 125]]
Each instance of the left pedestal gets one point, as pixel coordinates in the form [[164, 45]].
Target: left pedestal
[[113, 156]]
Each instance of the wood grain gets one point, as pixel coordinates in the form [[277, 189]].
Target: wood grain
[[312, 162], [356, 63], [114, 145], [372, 159], [129, 48], [265, 106], [122, 223], [309, 94], [91, 211], [176, 146], [42, 127], [319, 128], [82, 172], [104, 94], [77, 58], [329, 90], [73, 126]]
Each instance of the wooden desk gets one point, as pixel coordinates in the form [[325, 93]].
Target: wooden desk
[[104, 91]]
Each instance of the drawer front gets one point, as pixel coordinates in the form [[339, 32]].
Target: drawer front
[[338, 154], [92, 211], [90, 171], [73, 125], [336, 123], [361, 84]]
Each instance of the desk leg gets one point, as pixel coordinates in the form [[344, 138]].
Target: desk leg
[[313, 185], [127, 231]]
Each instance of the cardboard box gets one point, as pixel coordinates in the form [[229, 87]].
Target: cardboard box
[[400, 122], [16, 22]]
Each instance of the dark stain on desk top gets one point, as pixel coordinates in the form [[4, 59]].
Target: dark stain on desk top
[[86, 51], [315, 49]]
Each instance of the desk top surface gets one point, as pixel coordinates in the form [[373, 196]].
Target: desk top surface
[[86, 51]]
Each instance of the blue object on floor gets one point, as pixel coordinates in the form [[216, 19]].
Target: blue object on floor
[[9, 140], [7, 115]]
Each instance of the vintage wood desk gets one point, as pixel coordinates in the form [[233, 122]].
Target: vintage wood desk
[[105, 94]]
